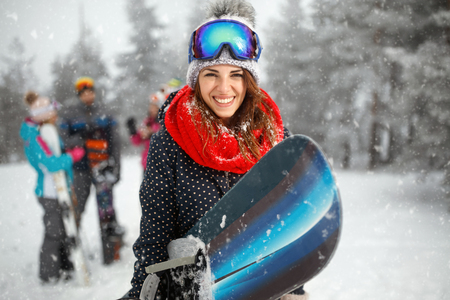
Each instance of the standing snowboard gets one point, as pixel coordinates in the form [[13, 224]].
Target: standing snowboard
[[111, 233], [102, 166], [277, 228], [67, 200]]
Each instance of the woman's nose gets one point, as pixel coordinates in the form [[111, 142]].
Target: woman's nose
[[223, 85]]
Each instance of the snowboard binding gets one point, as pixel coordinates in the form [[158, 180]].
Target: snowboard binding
[[186, 275], [184, 282]]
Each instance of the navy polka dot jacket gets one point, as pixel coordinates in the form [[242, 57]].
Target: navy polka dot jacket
[[175, 193]]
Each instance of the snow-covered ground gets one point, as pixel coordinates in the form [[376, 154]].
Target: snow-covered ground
[[395, 242]]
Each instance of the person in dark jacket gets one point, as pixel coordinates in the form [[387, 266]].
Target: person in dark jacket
[[213, 131], [91, 125]]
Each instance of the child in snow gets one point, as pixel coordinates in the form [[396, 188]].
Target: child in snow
[[149, 126], [54, 261], [213, 131]]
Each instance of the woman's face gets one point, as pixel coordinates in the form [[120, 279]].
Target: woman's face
[[222, 88]]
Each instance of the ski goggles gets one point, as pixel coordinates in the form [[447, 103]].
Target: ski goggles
[[208, 41], [52, 106]]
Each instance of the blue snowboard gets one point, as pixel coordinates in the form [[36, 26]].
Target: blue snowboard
[[277, 227]]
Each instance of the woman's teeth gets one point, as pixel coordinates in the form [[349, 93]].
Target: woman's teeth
[[224, 100]]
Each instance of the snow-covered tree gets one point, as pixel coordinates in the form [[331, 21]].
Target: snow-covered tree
[[196, 16], [424, 93], [354, 34], [84, 59], [15, 79], [141, 68], [334, 80], [291, 59], [316, 74]]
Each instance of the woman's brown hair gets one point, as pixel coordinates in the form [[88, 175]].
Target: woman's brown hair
[[253, 114], [30, 97]]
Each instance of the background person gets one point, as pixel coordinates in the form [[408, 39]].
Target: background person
[[149, 126], [92, 125], [54, 253]]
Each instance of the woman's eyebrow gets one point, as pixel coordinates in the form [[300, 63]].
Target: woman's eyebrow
[[212, 70]]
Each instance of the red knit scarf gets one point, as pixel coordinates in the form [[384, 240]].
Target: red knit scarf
[[222, 154]]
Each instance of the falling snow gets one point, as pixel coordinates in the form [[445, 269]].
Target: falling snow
[[384, 252]]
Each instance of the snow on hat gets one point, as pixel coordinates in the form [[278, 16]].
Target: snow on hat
[[43, 109], [238, 10], [84, 83]]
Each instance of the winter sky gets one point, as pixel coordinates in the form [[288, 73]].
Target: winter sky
[[51, 27]]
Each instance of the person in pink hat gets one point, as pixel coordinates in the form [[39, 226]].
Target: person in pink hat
[[140, 137]]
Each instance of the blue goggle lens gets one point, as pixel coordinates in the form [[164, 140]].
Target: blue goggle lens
[[208, 40]]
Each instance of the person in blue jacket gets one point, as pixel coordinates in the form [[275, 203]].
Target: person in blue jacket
[[54, 256], [213, 131]]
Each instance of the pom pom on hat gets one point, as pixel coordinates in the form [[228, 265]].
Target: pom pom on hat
[[239, 10]]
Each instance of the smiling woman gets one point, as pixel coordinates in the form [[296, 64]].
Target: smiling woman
[[214, 130]]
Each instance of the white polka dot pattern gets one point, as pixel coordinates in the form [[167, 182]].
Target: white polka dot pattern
[[175, 193]]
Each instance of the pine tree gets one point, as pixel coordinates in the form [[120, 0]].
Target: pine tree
[[84, 59], [314, 74], [15, 80], [335, 80], [195, 18], [351, 77], [424, 92], [142, 69], [290, 57], [352, 34]]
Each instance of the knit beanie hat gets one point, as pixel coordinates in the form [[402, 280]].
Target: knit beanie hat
[[238, 10], [84, 83]]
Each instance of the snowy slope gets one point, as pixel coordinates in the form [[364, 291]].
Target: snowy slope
[[395, 242]]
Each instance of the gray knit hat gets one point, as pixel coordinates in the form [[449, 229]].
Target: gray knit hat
[[238, 10]]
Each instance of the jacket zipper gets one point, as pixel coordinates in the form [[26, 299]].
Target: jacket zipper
[[228, 181]]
